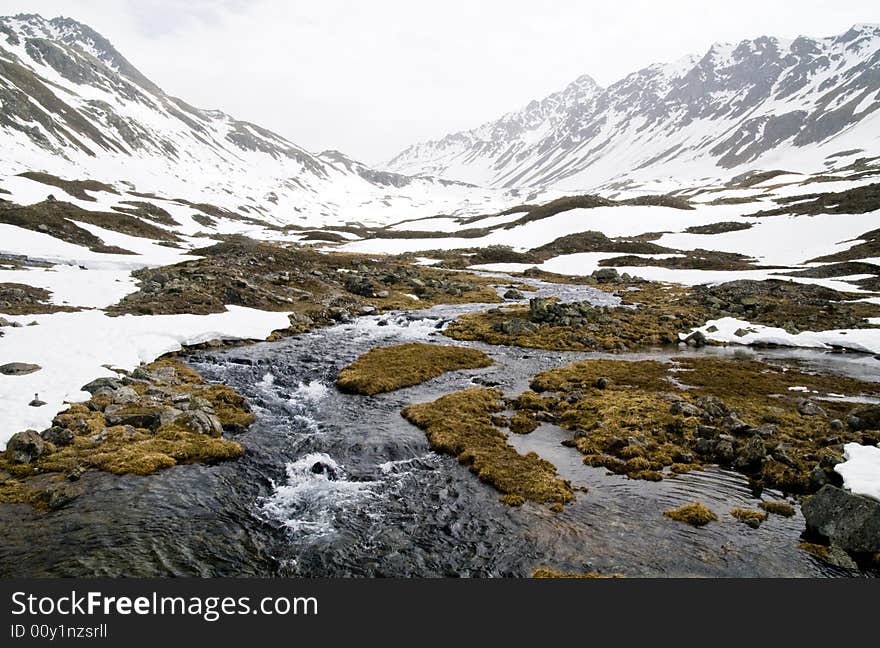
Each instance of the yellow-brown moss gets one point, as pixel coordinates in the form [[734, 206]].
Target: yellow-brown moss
[[460, 424], [390, 368], [777, 508], [640, 418], [546, 572], [749, 517], [124, 449], [695, 514]]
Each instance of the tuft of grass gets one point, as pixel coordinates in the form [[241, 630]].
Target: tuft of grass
[[777, 508], [695, 514], [390, 368], [749, 517], [460, 424]]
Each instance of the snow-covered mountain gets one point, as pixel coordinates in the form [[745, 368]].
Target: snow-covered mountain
[[72, 105], [762, 103]]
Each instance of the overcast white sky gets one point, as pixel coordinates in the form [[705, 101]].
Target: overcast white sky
[[369, 78]]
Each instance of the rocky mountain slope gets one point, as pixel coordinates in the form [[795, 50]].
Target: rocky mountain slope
[[76, 107], [764, 103]]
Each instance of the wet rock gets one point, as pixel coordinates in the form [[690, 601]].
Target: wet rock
[[696, 339], [602, 383], [25, 447], [76, 473], [852, 522], [54, 496], [18, 369], [322, 468], [835, 424], [58, 436], [808, 408], [865, 418], [514, 294]]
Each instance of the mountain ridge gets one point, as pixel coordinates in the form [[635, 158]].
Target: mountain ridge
[[777, 80]]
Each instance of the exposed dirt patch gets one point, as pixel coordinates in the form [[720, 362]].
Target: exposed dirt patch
[[76, 188], [21, 299], [852, 201], [719, 228], [52, 217], [147, 210]]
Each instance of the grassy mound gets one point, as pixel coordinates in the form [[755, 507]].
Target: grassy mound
[[460, 424], [695, 514], [646, 418], [404, 365]]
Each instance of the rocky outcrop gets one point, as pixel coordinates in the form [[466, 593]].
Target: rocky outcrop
[[25, 447], [849, 521]]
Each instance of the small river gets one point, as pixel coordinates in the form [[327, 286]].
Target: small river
[[341, 485]]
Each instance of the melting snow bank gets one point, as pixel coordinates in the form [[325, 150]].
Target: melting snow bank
[[72, 349], [736, 331], [861, 470]]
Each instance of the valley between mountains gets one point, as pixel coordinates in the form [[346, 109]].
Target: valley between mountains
[[624, 331]]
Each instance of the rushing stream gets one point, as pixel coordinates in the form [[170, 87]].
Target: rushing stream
[[341, 485]]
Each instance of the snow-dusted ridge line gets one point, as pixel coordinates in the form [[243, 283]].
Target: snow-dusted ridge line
[[74, 107], [763, 103]]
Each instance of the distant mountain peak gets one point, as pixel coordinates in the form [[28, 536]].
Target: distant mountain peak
[[708, 115]]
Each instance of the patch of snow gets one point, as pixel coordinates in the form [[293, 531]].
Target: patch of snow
[[72, 349], [861, 470]]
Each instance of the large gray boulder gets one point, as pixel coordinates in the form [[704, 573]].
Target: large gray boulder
[[852, 522], [25, 447], [18, 369]]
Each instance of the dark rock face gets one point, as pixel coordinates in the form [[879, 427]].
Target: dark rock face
[[25, 447], [852, 522]]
